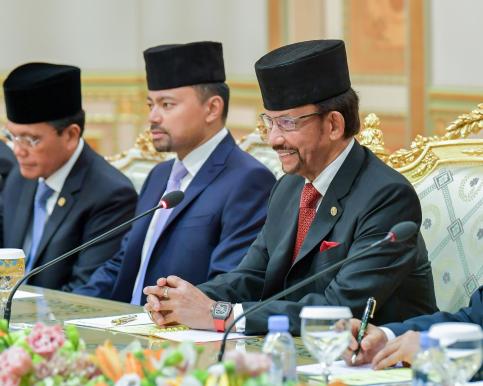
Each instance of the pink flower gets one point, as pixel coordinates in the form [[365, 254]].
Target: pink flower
[[7, 379], [15, 361], [45, 340]]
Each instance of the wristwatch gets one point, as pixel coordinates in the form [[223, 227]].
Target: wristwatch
[[220, 311]]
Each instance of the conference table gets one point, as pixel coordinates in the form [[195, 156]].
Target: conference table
[[55, 307]]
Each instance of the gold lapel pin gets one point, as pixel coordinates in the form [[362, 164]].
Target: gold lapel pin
[[61, 201], [333, 211]]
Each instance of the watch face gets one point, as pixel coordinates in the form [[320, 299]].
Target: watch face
[[221, 310]]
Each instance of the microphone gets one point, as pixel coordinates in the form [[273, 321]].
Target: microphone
[[168, 201], [398, 233]]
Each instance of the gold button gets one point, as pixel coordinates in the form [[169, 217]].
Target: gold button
[[333, 211], [61, 201]]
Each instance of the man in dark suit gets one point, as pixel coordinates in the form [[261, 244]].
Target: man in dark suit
[[62, 194], [381, 347], [336, 199], [226, 190], [7, 162]]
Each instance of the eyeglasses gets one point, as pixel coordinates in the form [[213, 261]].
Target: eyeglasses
[[284, 123], [22, 140]]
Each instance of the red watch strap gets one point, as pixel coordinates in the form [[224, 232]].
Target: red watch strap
[[219, 325]]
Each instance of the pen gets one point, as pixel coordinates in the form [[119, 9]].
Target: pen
[[368, 313], [124, 319]]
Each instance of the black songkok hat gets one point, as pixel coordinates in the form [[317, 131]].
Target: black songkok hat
[[42, 92], [303, 73], [176, 65]]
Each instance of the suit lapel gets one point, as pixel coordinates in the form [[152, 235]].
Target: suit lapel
[[281, 257], [23, 215], [149, 199], [208, 172], [66, 199], [331, 209]]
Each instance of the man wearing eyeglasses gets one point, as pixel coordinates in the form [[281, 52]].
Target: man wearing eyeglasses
[[62, 193], [7, 161], [335, 200]]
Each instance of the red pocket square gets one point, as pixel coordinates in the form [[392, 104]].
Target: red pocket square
[[325, 245]]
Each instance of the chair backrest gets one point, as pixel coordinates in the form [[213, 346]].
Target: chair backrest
[[259, 149], [447, 173]]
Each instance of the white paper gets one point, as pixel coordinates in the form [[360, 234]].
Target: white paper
[[337, 368], [197, 336], [24, 295], [108, 322], [150, 329]]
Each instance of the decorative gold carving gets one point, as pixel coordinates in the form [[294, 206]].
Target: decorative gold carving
[[403, 157], [476, 152], [465, 124], [462, 127], [372, 137], [425, 166]]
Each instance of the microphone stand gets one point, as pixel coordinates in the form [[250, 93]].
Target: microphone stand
[[8, 305], [390, 237]]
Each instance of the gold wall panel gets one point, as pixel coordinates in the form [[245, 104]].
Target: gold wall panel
[[376, 36]]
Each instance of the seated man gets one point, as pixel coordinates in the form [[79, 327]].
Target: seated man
[[382, 349], [7, 162], [63, 193], [336, 199], [226, 189]]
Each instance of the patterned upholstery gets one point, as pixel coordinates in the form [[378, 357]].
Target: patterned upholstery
[[447, 173]]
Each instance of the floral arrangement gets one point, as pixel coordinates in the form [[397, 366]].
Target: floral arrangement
[[44, 356], [52, 356]]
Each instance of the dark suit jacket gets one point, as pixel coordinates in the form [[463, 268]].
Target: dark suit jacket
[[7, 162], [97, 198], [365, 199], [208, 233], [471, 314]]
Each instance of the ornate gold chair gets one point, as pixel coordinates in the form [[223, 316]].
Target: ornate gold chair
[[447, 173]]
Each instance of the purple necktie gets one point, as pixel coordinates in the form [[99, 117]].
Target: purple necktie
[[178, 172]]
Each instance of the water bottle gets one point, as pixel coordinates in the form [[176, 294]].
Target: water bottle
[[279, 345], [430, 363]]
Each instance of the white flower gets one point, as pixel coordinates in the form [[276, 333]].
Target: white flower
[[129, 380]]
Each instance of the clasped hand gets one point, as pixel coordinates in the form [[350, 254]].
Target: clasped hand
[[185, 304]]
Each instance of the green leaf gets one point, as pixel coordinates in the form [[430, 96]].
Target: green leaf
[[175, 358], [4, 326], [72, 335], [200, 375]]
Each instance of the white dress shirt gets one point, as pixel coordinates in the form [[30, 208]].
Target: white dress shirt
[[193, 163], [321, 184]]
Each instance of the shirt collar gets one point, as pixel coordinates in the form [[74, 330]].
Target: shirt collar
[[197, 157], [323, 180], [56, 180]]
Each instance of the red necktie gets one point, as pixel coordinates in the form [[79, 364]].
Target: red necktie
[[308, 204]]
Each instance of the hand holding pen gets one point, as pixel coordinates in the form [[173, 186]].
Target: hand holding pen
[[368, 313]]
